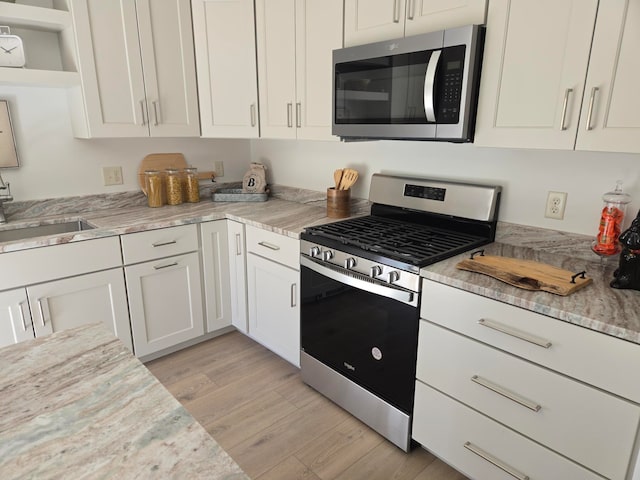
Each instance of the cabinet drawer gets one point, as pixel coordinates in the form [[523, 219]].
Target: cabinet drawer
[[587, 425], [152, 244], [444, 426], [276, 247], [595, 358]]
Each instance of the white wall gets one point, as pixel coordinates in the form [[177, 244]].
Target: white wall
[[526, 175], [55, 164]]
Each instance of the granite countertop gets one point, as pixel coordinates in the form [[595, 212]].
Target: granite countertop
[[77, 404], [596, 307]]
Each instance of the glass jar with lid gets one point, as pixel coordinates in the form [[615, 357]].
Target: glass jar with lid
[[173, 186], [153, 184], [191, 189], [611, 218]]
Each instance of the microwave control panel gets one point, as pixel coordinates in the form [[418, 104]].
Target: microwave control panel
[[450, 81]]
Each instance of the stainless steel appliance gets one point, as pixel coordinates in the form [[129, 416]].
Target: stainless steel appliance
[[360, 292], [422, 87]]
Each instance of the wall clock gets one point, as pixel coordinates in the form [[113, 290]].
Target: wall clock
[[11, 49]]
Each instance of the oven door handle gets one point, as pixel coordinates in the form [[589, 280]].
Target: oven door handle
[[409, 298]]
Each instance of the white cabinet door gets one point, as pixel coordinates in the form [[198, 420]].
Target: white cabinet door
[[318, 33], [274, 311], [276, 49], [217, 24], [367, 21], [238, 275], [137, 69], [294, 44], [610, 120], [15, 318], [532, 81], [215, 270], [424, 16], [75, 301], [165, 302]]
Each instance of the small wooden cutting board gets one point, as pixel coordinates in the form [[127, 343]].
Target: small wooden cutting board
[[526, 274]]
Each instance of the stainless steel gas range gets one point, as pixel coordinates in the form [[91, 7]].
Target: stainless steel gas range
[[360, 292]]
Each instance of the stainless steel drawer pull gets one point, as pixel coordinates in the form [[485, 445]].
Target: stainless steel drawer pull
[[396, 12], [592, 99], [527, 337], [238, 245], [298, 115], [252, 113], [289, 114], [155, 112], [565, 104], [144, 122], [162, 244], [514, 397], [494, 461], [294, 295], [270, 246], [160, 267], [41, 309], [22, 320], [410, 10]]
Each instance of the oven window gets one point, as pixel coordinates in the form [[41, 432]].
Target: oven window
[[368, 338]]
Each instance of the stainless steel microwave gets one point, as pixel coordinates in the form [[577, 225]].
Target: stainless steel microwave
[[422, 87]]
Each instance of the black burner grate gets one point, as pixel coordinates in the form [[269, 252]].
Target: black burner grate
[[413, 243]]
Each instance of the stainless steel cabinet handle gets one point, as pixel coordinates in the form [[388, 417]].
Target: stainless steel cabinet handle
[[238, 245], [289, 113], [160, 267], [429, 81], [592, 99], [294, 295], [22, 320], [144, 122], [162, 244], [252, 113], [298, 115], [41, 309], [494, 461], [506, 393], [410, 10], [270, 246], [527, 337], [155, 112], [565, 103], [396, 12]]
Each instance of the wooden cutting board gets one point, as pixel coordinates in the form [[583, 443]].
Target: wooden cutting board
[[526, 274], [162, 161]]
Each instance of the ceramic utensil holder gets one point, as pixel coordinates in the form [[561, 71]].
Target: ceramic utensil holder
[[338, 203]]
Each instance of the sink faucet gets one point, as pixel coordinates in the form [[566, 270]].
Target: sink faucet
[[5, 196]]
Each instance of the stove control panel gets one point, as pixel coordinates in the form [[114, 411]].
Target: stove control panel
[[352, 263]]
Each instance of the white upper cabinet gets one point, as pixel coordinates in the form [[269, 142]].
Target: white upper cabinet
[[295, 40], [225, 45], [610, 119], [137, 68], [367, 21], [533, 92]]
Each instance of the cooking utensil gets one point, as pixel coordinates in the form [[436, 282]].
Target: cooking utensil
[[162, 161], [337, 177], [349, 177]]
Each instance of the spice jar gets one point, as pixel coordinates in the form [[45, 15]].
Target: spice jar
[[611, 217], [173, 186], [153, 184], [191, 187]]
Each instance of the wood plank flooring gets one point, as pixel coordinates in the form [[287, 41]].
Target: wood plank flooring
[[277, 428]]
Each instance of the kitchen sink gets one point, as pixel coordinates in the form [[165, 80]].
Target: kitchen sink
[[42, 230]]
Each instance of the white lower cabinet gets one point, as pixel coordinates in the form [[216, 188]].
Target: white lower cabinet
[[215, 272], [273, 280], [75, 301], [498, 394], [165, 289], [15, 317]]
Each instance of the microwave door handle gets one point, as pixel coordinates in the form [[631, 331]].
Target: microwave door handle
[[429, 83]]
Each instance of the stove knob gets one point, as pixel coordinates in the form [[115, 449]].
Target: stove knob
[[394, 276], [327, 255], [375, 271], [314, 252], [349, 263]]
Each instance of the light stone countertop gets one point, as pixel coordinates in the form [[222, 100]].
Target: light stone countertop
[[77, 404], [596, 307]]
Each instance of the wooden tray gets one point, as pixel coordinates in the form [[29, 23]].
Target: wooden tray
[[526, 274], [162, 161]]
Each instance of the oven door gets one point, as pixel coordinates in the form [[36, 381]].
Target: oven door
[[363, 329]]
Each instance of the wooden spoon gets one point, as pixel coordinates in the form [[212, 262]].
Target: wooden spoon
[[337, 177], [348, 179]]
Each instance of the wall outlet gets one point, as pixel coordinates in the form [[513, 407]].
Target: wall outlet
[[112, 175], [218, 167], [556, 202]]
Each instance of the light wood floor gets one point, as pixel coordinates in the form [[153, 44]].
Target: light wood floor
[[277, 428]]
